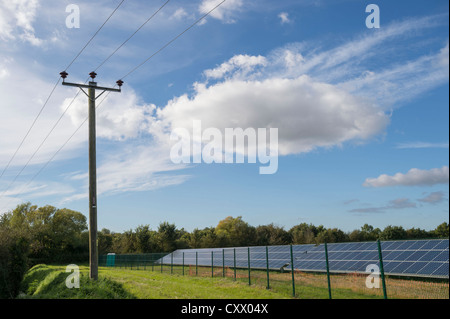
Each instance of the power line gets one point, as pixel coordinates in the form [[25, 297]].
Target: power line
[[174, 39], [95, 34], [129, 38], [52, 91], [60, 118], [129, 73], [29, 130], [57, 152], [39, 147]]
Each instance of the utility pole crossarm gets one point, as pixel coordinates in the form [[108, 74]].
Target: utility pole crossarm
[[88, 86], [92, 87]]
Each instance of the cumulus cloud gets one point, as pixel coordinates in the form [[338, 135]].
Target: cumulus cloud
[[126, 116], [415, 177], [308, 113]]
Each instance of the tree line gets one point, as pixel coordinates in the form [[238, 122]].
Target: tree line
[[235, 232], [31, 235]]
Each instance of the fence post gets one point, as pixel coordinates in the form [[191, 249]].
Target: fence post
[[171, 263], [249, 276], [223, 262], [292, 270], [183, 263], [196, 263], [328, 270], [380, 256], [212, 264], [234, 249], [267, 266]]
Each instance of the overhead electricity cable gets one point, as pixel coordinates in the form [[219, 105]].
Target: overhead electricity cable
[[131, 36], [56, 153], [29, 130], [173, 40], [95, 34], [52, 91], [128, 74]]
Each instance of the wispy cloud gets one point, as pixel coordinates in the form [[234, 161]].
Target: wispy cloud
[[16, 20], [400, 203], [421, 145], [284, 17], [433, 198], [415, 177], [226, 12]]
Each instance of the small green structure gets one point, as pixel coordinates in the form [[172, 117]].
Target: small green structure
[[111, 260]]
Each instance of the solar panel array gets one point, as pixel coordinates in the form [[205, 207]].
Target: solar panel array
[[415, 258]]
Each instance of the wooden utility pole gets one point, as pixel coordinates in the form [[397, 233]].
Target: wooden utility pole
[[92, 87]]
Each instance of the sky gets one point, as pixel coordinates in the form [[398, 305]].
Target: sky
[[360, 110]]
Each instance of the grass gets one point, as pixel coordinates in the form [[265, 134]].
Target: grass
[[49, 282]]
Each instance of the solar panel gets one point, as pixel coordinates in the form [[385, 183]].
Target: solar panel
[[415, 258]]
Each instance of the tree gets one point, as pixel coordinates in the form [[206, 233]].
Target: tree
[[271, 235], [235, 232], [393, 233], [14, 250], [167, 237], [368, 233], [417, 233], [331, 236], [303, 234], [442, 230], [105, 241], [67, 227]]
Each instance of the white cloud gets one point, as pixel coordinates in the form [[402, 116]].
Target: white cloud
[[433, 198], [16, 20], [284, 16], [125, 117], [421, 145], [308, 113], [132, 168], [20, 106], [399, 203], [415, 177], [225, 13], [444, 57], [180, 13], [244, 64]]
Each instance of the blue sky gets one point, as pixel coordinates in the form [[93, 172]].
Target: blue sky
[[362, 113]]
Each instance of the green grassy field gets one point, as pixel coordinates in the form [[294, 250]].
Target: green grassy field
[[49, 282]]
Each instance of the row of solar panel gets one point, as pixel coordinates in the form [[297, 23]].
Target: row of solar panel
[[412, 258]]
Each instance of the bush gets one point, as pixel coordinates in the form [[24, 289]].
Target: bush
[[13, 263]]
